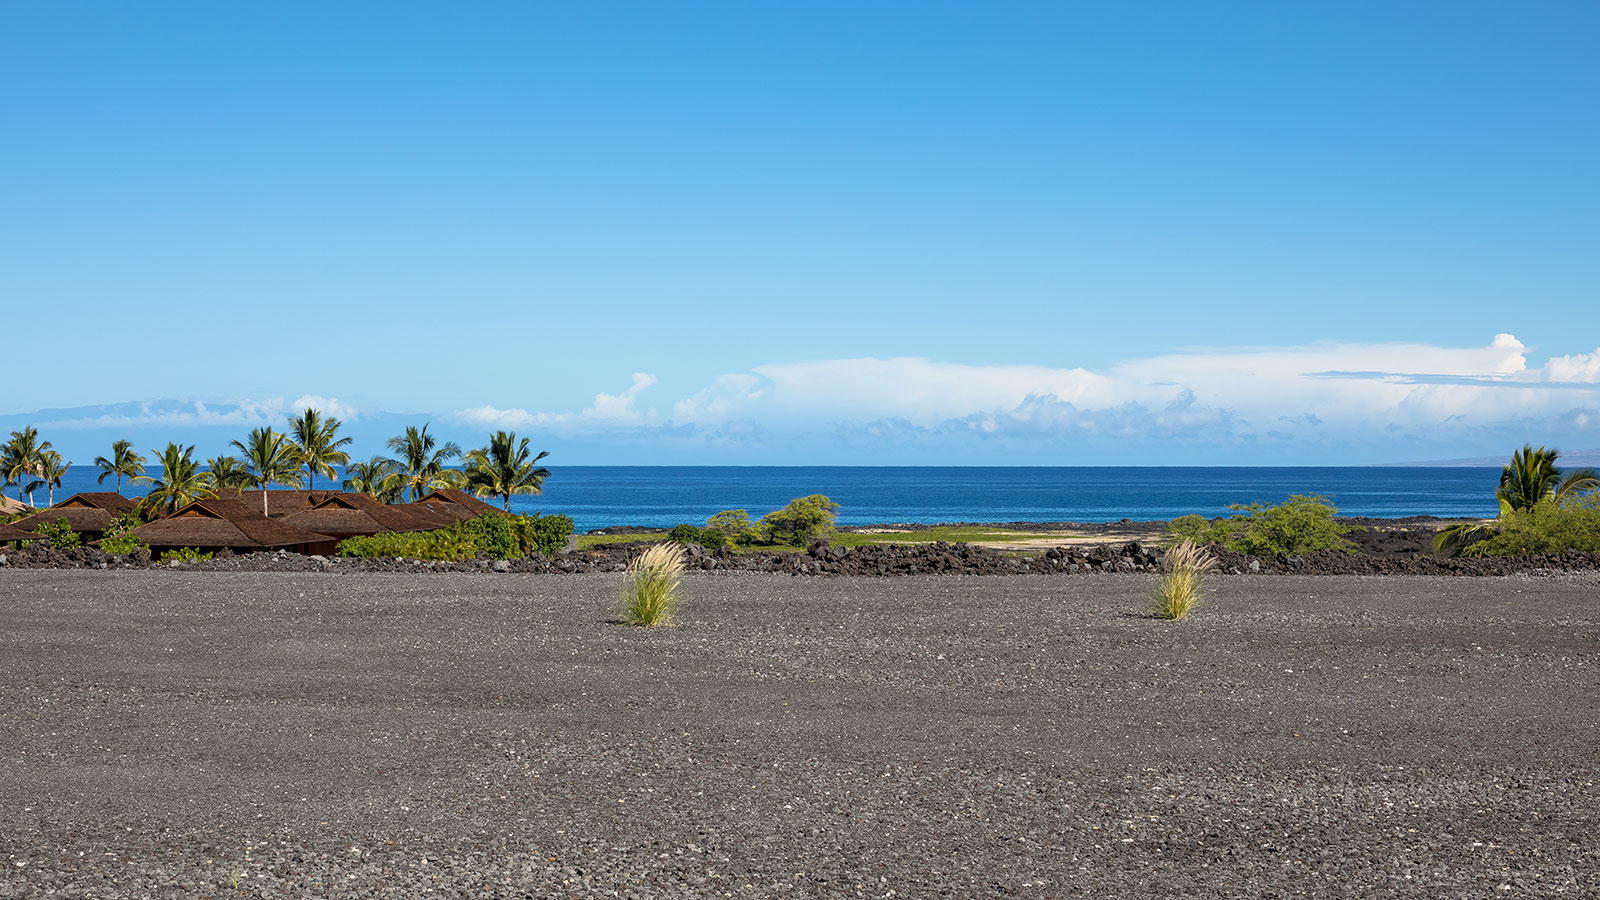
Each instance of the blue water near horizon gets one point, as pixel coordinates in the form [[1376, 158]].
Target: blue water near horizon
[[605, 496]]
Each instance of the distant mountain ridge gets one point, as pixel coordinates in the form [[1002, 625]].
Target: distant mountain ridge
[[1568, 459]]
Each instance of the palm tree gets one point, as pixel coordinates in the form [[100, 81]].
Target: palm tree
[[506, 467], [23, 456], [421, 467], [1532, 476], [270, 458], [123, 462], [51, 470], [180, 484], [319, 444], [377, 477], [227, 472], [1529, 479]]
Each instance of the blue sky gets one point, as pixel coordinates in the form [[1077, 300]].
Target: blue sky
[[821, 233]]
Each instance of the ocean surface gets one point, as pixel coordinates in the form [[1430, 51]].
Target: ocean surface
[[603, 496]]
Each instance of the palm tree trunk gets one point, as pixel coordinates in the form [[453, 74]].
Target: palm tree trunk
[[264, 498], [508, 503]]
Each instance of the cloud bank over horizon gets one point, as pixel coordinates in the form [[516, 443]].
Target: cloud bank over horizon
[[1318, 404]]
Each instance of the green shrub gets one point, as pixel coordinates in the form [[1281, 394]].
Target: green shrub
[[733, 525], [1178, 591], [805, 519], [1300, 525], [496, 535], [120, 544], [690, 534], [184, 554], [650, 594], [1548, 527], [60, 535]]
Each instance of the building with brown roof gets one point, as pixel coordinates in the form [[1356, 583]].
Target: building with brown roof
[[460, 498], [10, 533], [343, 515], [89, 513], [225, 523]]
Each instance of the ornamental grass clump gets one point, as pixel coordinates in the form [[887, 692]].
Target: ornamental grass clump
[[1179, 589], [651, 593]]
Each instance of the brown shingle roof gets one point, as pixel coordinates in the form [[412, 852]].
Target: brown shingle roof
[[110, 501], [225, 522], [79, 518], [11, 533], [461, 498], [280, 502]]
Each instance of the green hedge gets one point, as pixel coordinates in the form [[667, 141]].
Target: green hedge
[[496, 535], [1548, 527], [1299, 525]]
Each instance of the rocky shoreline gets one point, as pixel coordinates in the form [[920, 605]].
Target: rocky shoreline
[[1378, 553]]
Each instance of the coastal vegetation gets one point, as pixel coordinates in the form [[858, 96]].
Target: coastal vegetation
[[1302, 524], [23, 461], [181, 482], [420, 463], [1178, 591], [507, 466], [653, 580], [1542, 510], [124, 462], [495, 535]]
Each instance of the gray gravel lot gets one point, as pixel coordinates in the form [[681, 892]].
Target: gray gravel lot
[[180, 734]]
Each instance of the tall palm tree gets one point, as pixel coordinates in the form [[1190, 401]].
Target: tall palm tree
[[181, 481], [51, 470], [23, 456], [319, 444], [270, 458], [1529, 479], [377, 476], [227, 472], [1532, 476], [123, 463], [506, 467], [421, 466]]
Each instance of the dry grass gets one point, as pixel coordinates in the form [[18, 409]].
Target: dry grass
[[1178, 592], [651, 593]]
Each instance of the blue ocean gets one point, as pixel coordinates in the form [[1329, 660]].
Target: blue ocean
[[604, 496]]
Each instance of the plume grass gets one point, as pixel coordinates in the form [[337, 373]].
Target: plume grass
[[651, 592], [1178, 592]]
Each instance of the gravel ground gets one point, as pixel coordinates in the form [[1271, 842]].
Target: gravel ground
[[181, 734]]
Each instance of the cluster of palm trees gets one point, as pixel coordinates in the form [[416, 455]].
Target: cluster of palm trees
[[311, 447], [1529, 479], [30, 464]]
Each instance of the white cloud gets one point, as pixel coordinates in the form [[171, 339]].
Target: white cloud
[[606, 409], [246, 413], [328, 406], [726, 394], [620, 406], [1582, 367]]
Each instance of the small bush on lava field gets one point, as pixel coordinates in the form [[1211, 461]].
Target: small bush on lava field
[[1302, 524], [1178, 592], [691, 534], [650, 594], [1548, 527], [184, 554], [60, 535]]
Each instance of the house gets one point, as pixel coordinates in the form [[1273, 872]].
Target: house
[[280, 501], [89, 513], [341, 515], [10, 507], [461, 499], [232, 524], [9, 533]]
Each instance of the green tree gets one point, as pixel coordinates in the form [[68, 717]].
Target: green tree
[[23, 458], [52, 468], [227, 472], [319, 444], [802, 521], [377, 476], [180, 484], [122, 463], [270, 458], [1530, 479], [507, 466], [420, 461]]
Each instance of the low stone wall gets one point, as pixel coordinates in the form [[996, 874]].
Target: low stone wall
[[880, 560]]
